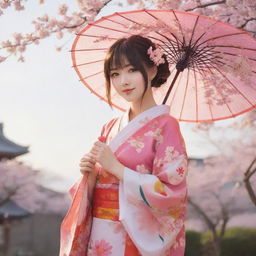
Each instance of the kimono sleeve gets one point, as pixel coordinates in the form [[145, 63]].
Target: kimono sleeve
[[152, 206]]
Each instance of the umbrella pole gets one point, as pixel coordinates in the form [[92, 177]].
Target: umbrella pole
[[170, 88]]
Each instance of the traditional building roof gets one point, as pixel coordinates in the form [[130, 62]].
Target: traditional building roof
[[11, 210], [9, 149]]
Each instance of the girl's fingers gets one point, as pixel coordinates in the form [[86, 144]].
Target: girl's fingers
[[85, 170], [87, 164], [93, 155], [85, 161], [94, 150], [88, 158]]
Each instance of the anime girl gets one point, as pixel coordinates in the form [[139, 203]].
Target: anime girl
[[132, 198]]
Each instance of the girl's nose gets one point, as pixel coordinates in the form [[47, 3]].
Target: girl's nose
[[124, 79]]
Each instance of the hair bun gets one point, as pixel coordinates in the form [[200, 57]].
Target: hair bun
[[162, 75]]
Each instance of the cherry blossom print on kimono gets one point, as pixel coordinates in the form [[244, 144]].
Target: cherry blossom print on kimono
[[152, 195]]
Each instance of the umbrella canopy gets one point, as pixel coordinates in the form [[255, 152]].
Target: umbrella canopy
[[212, 64]]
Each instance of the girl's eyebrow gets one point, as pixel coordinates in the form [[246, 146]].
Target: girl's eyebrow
[[125, 66]]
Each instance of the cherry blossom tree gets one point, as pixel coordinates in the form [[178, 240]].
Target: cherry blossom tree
[[217, 189], [21, 184], [244, 145], [18, 183], [240, 13]]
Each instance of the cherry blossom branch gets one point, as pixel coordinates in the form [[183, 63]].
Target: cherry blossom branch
[[4, 4], [207, 219], [224, 215], [46, 26], [206, 5], [247, 175], [246, 21]]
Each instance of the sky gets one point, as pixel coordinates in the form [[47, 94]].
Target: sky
[[44, 106]]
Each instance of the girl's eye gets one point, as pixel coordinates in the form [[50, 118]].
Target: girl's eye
[[113, 74], [133, 69]]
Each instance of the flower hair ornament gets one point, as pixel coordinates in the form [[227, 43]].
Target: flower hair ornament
[[156, 55]]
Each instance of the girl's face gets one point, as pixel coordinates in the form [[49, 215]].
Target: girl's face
[[128, 82]]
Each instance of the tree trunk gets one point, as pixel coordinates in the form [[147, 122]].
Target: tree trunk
[[6, 226], [247, 175]]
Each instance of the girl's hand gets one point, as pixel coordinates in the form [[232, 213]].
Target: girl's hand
[[102, 154], [87, 163]]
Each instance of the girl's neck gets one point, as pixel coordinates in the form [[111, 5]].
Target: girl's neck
[[137, 107]]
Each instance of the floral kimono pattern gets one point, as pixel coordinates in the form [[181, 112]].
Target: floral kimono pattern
[[144, 213]]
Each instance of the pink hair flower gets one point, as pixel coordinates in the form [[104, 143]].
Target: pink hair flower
[[156, 55]]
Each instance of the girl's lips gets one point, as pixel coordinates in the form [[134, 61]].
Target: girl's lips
[[127, 91]]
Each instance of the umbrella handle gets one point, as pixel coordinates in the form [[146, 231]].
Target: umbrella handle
[[170, 88]]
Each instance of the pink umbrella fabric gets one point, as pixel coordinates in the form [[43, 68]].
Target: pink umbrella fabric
[[212, 64]]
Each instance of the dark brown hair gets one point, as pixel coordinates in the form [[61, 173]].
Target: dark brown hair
[[134, 48]]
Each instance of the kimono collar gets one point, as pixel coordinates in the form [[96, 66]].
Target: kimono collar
[[129, 128], [148, 114]]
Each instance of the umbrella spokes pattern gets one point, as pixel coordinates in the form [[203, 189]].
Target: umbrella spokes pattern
[[212, 64]]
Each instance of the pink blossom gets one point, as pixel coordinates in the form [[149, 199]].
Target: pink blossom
[[163, 4], [157, 135], [52, 22], [6, 44], [18, 37], [137, 142], [36, 41], [131, 2], [21, 48], [171, 154], [67, 19], [158, 165], [156, 56], [21, 59], [43, 33], [63, 9], [251, 26], [90, 4], [2, 59], [44, 18], [101, 248], [4, 4], [59, 34], [249, 3], [188, 5], [58, 49], [142, 169], [18, 6]]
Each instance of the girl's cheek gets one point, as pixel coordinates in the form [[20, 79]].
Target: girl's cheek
[[115, 83]]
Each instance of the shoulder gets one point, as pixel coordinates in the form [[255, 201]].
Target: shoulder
[[168, 122], [170, 132]]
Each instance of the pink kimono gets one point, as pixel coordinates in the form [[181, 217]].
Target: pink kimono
[[143, 214]]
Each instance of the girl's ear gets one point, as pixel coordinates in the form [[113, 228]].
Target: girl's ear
[[152, 72]]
